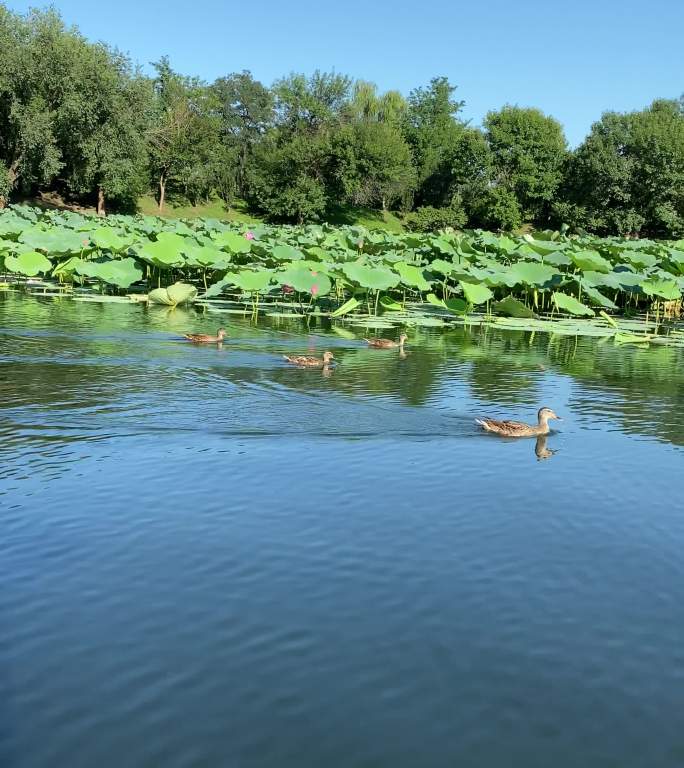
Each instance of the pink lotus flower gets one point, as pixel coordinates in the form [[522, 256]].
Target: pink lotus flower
[[288, 289], [313, 274], [85, 242], [249, 235], [314, 289]]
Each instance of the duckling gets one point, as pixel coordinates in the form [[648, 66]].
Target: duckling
[[387, 343], [517, 428], [310, 362], [203, 338]]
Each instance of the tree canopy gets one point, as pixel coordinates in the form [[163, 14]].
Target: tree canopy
[[81, 119]]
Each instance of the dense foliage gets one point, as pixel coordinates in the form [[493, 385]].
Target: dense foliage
[[416, 278], [81, 120]]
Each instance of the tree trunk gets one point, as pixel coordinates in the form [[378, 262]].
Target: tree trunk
[[100, 202], [12, 175], [384, 204], [162, 192]]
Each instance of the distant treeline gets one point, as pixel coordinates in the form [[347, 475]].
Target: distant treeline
[[80, 119]]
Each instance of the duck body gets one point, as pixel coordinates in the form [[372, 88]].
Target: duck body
[[519, 428], [306, 361], [386, 343], [203, 338]]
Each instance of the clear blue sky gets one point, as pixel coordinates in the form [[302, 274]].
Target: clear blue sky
[[574, 60]]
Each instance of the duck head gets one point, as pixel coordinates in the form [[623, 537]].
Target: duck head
[[545, 414]]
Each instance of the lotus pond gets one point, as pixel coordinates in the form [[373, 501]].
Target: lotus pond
[[626, 290], [210, 558]]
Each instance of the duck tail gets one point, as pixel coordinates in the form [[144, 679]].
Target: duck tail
[[482, 423]]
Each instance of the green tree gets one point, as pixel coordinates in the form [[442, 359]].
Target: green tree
[[432, 129], [529, 152], [657, 144], [496, 208], [373, 164], [246, 108], [29, 153], [101, 128], [628, 174], [183, 136], [288, 179], [310, 105], [368, 106]]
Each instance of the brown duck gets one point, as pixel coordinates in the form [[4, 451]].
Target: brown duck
[[310, 362], [517, 428], [203, 338], [387, 343]]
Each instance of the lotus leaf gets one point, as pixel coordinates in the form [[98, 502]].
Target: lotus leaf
[[232, 242], [106, 238], [349, 306], [29, 263], [665, 289], [570, 304], [305, 280], [533, 273], [412, 276], [591, 261], [377, 278], [513, 308], [475, 293]]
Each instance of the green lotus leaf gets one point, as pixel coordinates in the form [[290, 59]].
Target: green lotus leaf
[[475, 293], [305, 280], [106, 238], [181, 293], [378, 278], [347, 307], [412, 276], [54, 241], [207, 257], [159, 296], [389, 305], [119, 272], [249, 281], [665, 289], [163, 254], [286, 253], [596, 297], [232, 242], [570, 304], [511, 307], [533, 273], [591, 261], [29, 263]]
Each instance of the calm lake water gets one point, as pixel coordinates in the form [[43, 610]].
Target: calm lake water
[[209, 558]]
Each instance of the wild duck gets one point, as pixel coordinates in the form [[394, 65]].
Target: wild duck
[[203, 338], [517, 428], [310, 362], [387, 343]]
